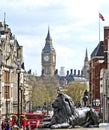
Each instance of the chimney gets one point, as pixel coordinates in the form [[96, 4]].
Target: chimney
[[82, 73], [62, 71], [78, 72], [71, 72], [74, 71], [67, 72]]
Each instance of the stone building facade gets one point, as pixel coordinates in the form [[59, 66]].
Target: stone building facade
[[11, 59], [98, 73]]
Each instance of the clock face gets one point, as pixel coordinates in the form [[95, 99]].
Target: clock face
[[46, 58]]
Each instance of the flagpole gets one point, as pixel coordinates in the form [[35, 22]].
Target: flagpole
[[99, 29], [102, 18]]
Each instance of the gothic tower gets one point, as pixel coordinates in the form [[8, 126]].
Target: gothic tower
[[48, 57], [85, 67]]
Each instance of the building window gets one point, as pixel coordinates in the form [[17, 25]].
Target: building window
[[6, 76], [6, 92]]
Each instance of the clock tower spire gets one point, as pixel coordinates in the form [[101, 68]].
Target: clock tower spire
[[48, 56], [48, 38]]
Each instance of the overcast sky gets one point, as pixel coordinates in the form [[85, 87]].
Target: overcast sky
[[74, 26]]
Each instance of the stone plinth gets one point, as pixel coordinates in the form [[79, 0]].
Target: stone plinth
[[78, 129], [104, 125]]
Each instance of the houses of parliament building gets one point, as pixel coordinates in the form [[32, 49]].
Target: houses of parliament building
[[49, 71]]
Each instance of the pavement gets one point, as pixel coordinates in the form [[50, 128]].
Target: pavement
[[77, 129]]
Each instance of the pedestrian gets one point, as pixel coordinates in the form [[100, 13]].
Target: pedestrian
[[3, 125], [78, 104], [28, 127], [24, 123], [7, 127], [0, 124]]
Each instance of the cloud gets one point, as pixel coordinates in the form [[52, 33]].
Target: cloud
[[73, 28], [29, 3], [63, 51]]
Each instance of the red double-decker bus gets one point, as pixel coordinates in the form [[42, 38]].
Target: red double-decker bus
[[34, 119], [31, 120]]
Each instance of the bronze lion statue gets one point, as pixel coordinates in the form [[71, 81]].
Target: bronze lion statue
[[66, 115]]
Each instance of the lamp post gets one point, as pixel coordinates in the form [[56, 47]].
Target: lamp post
[[21, 101], [6, 117], [18, 85]]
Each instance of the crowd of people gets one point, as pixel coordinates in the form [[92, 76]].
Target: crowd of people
[[14, 124]]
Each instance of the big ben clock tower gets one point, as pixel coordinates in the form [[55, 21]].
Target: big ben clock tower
[[48, 57]]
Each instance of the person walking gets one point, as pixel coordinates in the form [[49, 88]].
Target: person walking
[[7, 126], [2, 125]]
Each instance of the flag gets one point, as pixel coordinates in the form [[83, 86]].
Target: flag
[[101, 17]]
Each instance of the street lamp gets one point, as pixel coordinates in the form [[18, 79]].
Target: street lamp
[[6, 117], [21, 91], [6, 106], [18, 85]]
